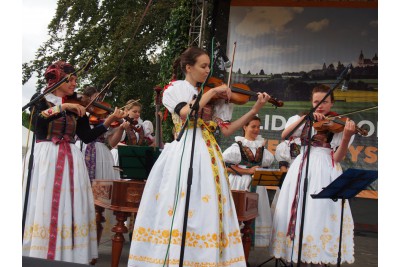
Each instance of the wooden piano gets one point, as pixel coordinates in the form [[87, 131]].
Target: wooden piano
[[123, 197], [246, 204]]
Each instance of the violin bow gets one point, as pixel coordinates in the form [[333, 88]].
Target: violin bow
[[101, 91], [108, 87], [233, 60], [353, 112], [134, 101]]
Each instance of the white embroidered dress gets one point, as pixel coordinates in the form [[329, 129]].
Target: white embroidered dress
[[322, 216], [213, 237], [80, 246], [263, 222]]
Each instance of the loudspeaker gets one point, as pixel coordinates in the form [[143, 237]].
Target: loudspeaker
[[35, 262]]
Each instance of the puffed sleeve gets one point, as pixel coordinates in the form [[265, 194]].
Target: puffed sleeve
[[337, 138], [268, 158], [292, 120], [147, 128], [178, 92], [282, 152], [232, 154], [223, 110]]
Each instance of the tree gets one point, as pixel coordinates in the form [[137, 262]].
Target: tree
[[117, 35], [262, 72], [130, 40]]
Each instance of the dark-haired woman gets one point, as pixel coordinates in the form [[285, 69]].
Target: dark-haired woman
[[321, 216], [98, 157], [213, 237], [244, 157], [60, 219]]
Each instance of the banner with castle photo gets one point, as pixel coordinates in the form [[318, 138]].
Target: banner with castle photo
[[287, 50]]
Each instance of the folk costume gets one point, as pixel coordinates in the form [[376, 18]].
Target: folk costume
[[246, 153], [213, 237], [285, 153], [60, 222], [98, 158], [322, 216], [140, 135]]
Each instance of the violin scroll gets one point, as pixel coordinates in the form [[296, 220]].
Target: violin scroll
[[277, 103]]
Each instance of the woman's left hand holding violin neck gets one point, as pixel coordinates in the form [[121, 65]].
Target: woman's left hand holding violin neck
[[262, 99], [349, 129], [116, 115]]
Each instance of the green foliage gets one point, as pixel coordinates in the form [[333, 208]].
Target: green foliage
[[25, 119], [123, 40], [177, 36], [112, 33]]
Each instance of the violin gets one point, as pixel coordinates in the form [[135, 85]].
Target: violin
[[241, 93], [131, 121], [98, 110], [335, 125]]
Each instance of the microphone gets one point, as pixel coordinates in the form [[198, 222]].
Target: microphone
[[227, 63], [346, 80]]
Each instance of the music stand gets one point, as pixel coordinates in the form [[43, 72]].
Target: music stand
[[269, 177], [346, 186], [135, 162]]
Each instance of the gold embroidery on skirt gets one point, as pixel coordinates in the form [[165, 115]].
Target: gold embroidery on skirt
[[207, 128]]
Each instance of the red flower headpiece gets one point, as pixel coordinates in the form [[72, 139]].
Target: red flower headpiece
[[56, 71]]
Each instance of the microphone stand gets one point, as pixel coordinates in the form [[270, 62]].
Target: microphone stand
[[195, 111], [309, 118], [28, 178]]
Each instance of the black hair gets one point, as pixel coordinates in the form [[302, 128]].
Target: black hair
[[188, 57]]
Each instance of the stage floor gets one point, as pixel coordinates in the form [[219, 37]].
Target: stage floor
[[366, 253]]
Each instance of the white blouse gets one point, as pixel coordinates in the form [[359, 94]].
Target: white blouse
[[183, 91]]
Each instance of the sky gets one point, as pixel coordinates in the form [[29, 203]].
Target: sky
[[292, 39], [36, 15], [24, 28]]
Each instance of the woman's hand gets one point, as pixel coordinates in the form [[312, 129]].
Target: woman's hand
[[117, 114], [261, 100], [349, 128], [126, 125], [253, 169], [223, 91], [318, 116], [75, 108]]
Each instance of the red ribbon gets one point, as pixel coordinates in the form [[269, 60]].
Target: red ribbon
[[64, 151], [165, 88]]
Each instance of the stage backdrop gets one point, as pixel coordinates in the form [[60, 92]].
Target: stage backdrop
[[285, 51]]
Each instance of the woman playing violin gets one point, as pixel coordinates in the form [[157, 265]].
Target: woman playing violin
[[98, 157], [213, 236], [321, 221], [133, 130], [60, 205]]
